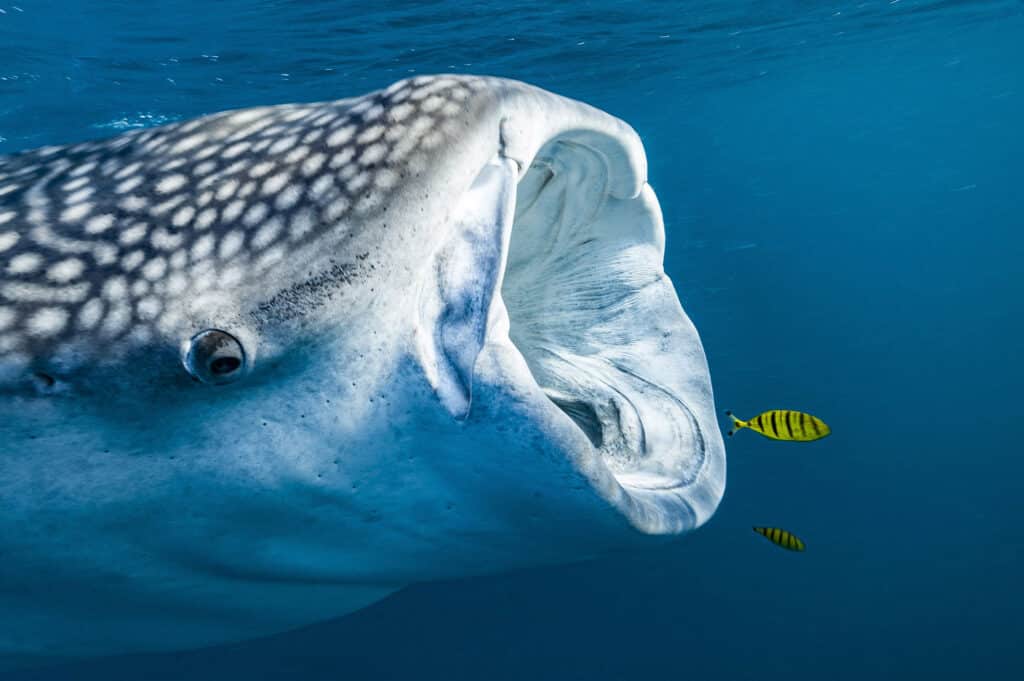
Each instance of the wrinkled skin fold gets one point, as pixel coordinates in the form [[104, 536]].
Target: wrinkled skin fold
[[455, 352]]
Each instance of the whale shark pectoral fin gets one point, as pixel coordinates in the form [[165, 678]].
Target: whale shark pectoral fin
[[469, 271]]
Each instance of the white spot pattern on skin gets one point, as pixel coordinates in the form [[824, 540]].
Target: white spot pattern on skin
[[222, 198], [373, 154], [116, 320], [104, 254], [128, 171], [358, 182], [133, 204], [132, 260], [164, 240], [48, 321], [203, 247], [115, 288], [99, 223], [36, 293], [7, 318], [76, 213], [207, 152], [148, 308], [81, 196], [133, 234], [128, 185], [341, 158], [75, 184], [83, 169], [386, 179], [183, 216], [171, 183], [271, 257], [268, 232], [312, 164], [431, 104], [167, 206], [361, 106], [341, 136], [275, 183], [296, 155], [323, 184], [261, 169], [233, 210], [173, 165], [24, 263], [154, 269], [231, 244], [255, 215], [282, 145], [65, 271], [301, 224], [394, 133], [336, 209], [371, 134], [7, 240], [176, 283], [236, 150], [227, 190], [188, 144], [90, 314], [288, 197], [420, 126], [206, 218]]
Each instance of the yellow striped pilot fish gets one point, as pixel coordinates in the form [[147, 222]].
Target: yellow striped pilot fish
[[780, 538], [783, 424]]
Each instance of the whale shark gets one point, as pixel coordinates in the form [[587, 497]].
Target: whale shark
[[262, 368]]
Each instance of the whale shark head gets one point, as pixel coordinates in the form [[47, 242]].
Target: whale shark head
[[266, 366]]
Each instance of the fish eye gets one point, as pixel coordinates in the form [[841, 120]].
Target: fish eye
[[215, 357]]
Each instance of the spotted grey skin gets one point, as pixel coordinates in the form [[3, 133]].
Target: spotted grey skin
[[264, 367], [101, 239]]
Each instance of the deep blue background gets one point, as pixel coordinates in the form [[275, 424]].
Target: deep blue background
[[842, 191]]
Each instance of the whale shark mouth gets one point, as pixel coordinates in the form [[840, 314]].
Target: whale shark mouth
[[598, 323]]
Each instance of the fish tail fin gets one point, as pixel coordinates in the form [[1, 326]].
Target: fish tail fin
[[736, 423]]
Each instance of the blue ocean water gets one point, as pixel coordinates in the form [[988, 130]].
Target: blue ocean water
[[841, 188]]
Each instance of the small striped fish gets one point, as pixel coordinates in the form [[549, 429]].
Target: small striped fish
[[783, 424], [780, 538]]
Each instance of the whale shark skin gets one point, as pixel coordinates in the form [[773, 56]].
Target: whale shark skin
[[265, 367]]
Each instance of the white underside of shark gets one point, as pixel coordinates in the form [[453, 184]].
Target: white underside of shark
[[419, 334]]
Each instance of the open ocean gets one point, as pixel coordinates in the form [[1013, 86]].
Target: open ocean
[[842, 189]]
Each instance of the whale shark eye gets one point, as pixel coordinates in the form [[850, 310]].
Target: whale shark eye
[[215, 357]]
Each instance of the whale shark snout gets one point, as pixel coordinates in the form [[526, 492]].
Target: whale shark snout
[[267, 366]]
